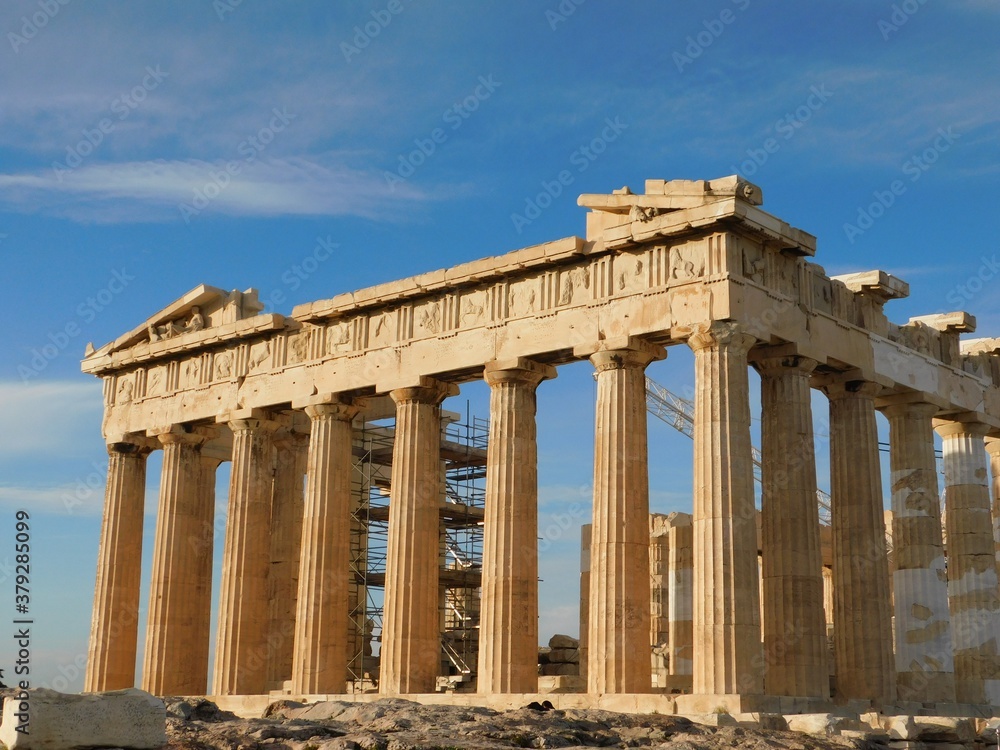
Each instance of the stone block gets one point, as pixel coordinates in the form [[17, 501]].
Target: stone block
[[131, 719], [945, 729], [564, 656], [900, 727], [563, 641]]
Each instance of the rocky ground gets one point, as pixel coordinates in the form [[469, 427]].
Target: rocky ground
[[393, 724]]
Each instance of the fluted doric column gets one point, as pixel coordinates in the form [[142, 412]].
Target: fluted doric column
[[508, 623], [993, 449], [925, 664], [287, 502], [411, 647], [176, 657], [793, 623], [972, 564], [862, 628], [618, 644], [680, 572], [726, 578], [321, 621], [241, 653], [115, 622]]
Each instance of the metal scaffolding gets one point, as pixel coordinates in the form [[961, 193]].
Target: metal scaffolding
[[463, 455]]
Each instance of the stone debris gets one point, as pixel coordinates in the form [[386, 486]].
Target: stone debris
[[562, 657], [131, 719], [396, 724]]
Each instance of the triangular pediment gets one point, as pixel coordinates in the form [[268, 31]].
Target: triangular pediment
[[203, 308]]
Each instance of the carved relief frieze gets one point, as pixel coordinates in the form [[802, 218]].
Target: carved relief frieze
[[630, 272], [156, 381], [474, 308], [822, 293], [687, 263], [124, 388], [428, 318], [754, 262], [341, 336], [223, 365], [194, 322], [259, 357], [522, 297], [574, 284], [382, 329], [297, 347], [192, 371]]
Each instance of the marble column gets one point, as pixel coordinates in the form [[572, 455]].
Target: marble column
[[176, 656], [972, 564], [287, 503], [508, 624], [993, 449], [618, 644], [659, 577], [321, 621], [241, 652], [114, 627], [861, 612], [411, 645], [792, 623], [925, 665], [727, 653], [680, 597]]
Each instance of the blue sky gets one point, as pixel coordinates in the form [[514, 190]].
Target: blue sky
[[146, 148]]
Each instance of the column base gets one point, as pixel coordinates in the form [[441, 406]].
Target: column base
[[705, 703]]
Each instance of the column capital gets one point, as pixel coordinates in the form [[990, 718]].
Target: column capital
[[721, 333], [249, 419], [180, 434], [132, 444], [957, 425], [902, 405], [993, 445], [428, 391], [319, 399], [773, 364], [333, 409], [621, 353], [844, 388], [519, 370]]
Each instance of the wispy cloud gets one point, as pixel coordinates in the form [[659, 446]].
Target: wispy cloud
[[47, 418], [156, 190]]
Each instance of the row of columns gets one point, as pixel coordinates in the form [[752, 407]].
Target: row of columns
[[942, 653]]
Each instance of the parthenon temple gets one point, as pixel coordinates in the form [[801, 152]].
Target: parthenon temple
[[332, 420]]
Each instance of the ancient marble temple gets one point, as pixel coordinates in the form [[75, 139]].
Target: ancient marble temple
[[685, 263]]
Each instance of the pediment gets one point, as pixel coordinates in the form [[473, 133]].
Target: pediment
[[202, 309]]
